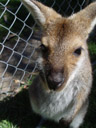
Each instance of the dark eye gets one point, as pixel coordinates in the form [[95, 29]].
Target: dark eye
[[43, 48], [78, 51]]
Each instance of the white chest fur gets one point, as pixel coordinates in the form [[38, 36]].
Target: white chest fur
[[55, 105]]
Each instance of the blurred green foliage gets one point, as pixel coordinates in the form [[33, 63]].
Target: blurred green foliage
[[92, 50], [6, 124]]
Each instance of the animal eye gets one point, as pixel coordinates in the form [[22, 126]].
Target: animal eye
[[43, 48], [77, 52]]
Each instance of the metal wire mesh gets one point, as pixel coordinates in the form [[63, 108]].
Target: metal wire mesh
[[18, 41]]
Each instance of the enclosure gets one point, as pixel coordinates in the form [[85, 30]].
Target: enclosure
[[19, 49]]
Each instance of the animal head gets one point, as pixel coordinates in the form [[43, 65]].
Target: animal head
[[64, 47]]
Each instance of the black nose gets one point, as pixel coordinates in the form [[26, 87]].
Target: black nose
[[55, 80]]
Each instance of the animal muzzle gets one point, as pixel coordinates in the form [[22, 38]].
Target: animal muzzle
[[55, 80]]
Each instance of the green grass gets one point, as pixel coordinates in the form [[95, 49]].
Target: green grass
[[92, 50], [6, 124]]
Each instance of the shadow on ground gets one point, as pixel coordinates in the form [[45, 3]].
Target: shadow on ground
[[18, 111]]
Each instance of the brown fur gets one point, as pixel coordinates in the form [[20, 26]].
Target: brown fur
[[61, 40], [62, 37]]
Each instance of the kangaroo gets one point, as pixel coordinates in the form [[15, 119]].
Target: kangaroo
[[60, 91]]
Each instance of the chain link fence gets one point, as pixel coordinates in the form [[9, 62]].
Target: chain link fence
[[19, 41]]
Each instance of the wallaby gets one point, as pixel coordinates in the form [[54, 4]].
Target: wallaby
[[60, 91]]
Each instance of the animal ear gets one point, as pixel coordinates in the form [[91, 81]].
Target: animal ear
[[86, 19], [41, 13]]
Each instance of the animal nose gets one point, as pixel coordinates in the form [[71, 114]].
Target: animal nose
[[55, 80]]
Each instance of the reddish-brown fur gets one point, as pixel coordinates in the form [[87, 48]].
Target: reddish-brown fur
[[66, 60]]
